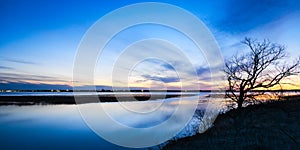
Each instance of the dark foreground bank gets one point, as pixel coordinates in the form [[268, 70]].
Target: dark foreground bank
[[273, 125]]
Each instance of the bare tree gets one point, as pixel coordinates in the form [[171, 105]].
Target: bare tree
[[262, 68]]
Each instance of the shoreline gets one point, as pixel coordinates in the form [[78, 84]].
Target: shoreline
[[270, 125], [69, 99]]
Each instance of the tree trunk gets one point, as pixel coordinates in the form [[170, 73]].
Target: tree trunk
[[241, 100]]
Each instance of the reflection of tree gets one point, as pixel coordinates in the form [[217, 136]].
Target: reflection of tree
[[262, 68]]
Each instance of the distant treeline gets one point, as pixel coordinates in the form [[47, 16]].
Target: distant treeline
[[103, 90], [81, 99]]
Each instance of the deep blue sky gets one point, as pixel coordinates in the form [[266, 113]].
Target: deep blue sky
[[39, 39]]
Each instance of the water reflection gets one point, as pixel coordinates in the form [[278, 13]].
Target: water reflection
[[61, 126], [47, 127]]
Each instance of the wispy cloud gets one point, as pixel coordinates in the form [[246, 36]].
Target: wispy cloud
[[241, 16], [162, 79], [19, 61], [31, 86], [203, 71], [18, 77], [6, 68]]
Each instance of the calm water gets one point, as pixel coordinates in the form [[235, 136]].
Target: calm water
[[61, 126]]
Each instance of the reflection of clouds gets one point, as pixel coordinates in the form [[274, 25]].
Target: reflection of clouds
[[65, 116], [142, 120]]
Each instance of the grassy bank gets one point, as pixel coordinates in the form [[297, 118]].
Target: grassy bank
[[272, 125]]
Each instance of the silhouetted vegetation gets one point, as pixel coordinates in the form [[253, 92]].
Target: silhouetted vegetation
[[262, 68], [270, 125]]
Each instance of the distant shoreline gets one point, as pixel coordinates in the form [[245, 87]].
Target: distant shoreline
[[69, 99], [59, 90]]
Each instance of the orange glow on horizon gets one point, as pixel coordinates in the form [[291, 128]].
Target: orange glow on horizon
[[291, 83]]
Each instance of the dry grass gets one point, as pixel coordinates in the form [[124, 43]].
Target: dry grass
[[271, 125]]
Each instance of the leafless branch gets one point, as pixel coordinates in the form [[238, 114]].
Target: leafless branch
[[261, 68]]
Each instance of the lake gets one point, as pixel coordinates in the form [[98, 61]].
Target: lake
[[62, 126]]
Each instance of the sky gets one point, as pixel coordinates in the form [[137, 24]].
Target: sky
[[39, 40]]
